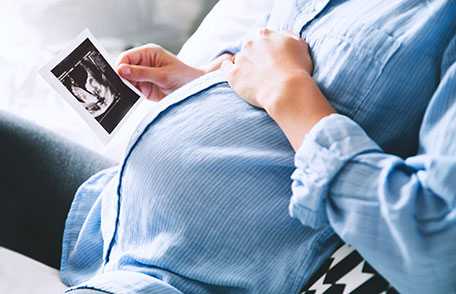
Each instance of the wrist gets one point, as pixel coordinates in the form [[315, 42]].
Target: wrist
[[298, 106], [188, 75]]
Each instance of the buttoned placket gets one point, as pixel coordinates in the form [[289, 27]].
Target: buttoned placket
[[180, 95], [306, 12]]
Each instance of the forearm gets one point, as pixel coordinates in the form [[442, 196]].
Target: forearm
[[396, 213], [297, 105]]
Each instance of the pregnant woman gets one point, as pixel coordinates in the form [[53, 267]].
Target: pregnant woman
[[202, 201]]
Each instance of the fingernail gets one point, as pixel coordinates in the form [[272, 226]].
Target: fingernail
[[125, 71], [264, 31]]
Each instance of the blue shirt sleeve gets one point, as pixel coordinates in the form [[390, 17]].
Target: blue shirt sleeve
[[400, 214]]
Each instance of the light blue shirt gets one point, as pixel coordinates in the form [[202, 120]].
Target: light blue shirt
[[201, 202]]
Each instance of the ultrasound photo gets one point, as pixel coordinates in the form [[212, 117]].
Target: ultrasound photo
[[91, 81]]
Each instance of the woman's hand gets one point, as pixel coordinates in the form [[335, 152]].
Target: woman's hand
[[274, 72], [157, 72]]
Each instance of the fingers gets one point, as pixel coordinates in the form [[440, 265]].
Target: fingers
[[149, 68], [218, 62], [137, 55], [268, 36], [265, 32], [139, 73], [146, 88], [150, 91], [132, 56], [268, 33], [231, 71], [227, 67]]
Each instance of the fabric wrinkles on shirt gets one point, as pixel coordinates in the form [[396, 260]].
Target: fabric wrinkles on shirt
[[227, 177]]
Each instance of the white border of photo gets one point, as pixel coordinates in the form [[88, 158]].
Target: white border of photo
[[94, 125]]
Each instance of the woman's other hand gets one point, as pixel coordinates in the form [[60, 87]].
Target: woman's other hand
[[274, 71], [157, 72]]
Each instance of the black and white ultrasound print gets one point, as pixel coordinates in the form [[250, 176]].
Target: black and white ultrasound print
[[93, 83]]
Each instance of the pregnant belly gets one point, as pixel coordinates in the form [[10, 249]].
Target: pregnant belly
[[209, 182]]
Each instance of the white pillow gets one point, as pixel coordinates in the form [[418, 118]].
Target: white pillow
[[226, 25]]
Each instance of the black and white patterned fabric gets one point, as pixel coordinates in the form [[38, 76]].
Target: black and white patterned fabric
[[346, 272]]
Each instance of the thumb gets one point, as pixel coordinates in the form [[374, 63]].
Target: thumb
[[139, 73]]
